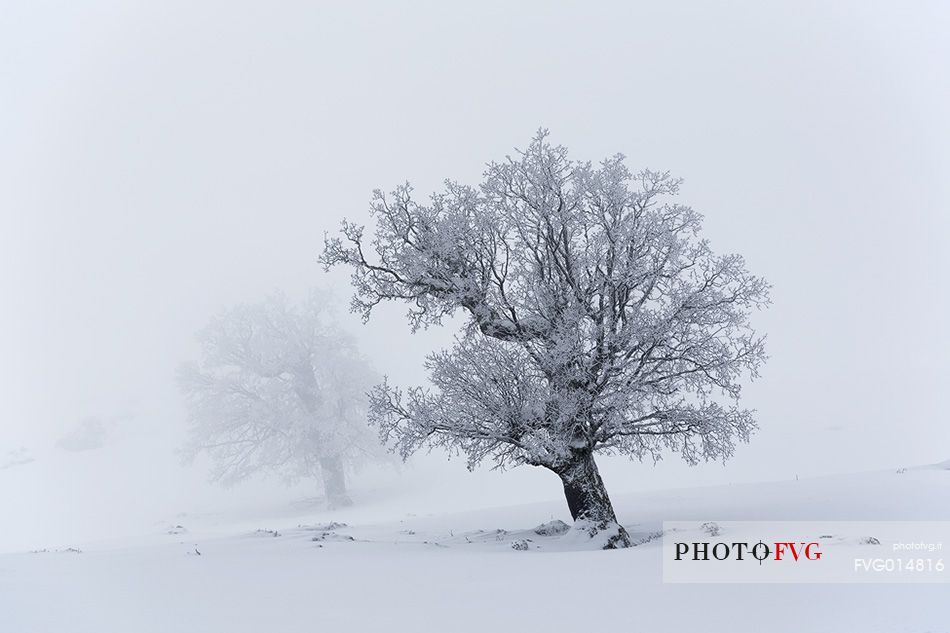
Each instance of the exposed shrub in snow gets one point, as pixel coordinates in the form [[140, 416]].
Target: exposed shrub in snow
[[711, 528], [552, 528]]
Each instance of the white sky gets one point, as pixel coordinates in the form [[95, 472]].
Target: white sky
[[160, 161]]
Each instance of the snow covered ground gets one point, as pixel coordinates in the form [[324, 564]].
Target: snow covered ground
[[373, 569]]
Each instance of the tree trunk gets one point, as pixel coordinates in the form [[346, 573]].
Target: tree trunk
[[334, 483], [588, 501]]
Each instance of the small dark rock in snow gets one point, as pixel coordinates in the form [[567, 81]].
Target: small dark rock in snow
[[552, 528], [869, 540], [520, 546]]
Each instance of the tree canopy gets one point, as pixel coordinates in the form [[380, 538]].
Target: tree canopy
[[599, 318], [280, 388]]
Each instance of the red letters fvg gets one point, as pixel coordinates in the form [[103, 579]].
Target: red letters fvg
[[797, 550]]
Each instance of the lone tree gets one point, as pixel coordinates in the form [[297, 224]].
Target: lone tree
[[280, 389], [599, 321]]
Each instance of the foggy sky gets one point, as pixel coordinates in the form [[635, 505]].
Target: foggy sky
[[161, 161]]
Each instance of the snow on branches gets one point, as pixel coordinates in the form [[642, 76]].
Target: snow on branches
[[279, 388], [599, 318]]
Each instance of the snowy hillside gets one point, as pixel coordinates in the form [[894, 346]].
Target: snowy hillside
[[369, 569]]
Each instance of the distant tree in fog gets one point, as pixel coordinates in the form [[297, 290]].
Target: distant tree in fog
[[90, 434], [280, 388], [599, 321]]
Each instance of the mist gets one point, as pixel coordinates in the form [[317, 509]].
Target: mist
[[163, 162]]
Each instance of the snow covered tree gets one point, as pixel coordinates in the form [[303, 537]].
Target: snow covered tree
[[599, 321], [279, 388]]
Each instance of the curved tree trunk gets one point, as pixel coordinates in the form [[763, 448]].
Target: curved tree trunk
[[588, 501], [334, 482]]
